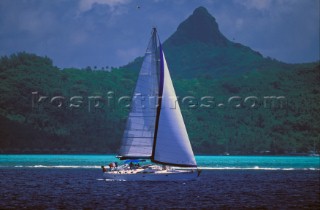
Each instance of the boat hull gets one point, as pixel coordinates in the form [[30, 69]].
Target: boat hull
[[172, 176]]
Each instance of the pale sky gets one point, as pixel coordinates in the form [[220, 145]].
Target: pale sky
[[80, 33]]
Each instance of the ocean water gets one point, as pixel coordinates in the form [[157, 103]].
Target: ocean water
[[204, 162], [227, 182]]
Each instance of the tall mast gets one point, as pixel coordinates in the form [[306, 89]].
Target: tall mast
[[160, 92]]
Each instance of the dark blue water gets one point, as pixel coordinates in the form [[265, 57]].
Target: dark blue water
[[79, 188]]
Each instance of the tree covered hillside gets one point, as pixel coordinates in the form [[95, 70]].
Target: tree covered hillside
[[30, 124]]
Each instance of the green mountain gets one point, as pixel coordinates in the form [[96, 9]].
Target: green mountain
[[198, 49], [232, 99]]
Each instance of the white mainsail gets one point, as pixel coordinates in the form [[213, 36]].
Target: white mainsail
[[156, 133], [138, 137]]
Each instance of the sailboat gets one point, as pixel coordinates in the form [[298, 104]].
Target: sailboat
[[155, 131], [313, 152]]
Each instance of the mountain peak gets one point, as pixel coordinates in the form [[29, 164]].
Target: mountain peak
[[201, 26], [201, 11]]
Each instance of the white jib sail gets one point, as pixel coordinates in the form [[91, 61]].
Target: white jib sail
[[172, 142]]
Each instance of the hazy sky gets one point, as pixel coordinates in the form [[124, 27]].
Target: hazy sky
[[80, 33]]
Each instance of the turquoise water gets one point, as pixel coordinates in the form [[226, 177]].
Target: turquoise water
[[204, 162]]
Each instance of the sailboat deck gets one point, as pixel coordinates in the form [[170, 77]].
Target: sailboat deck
[[148, 170]]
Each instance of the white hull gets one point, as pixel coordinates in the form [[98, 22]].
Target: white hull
[[162, 176]]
